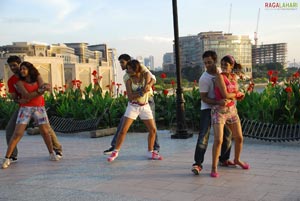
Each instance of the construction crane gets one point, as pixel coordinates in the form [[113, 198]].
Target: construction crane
[[229, 25], [256, 30]]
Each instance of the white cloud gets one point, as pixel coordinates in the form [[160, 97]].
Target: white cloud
[[63, 7], [157, 39]]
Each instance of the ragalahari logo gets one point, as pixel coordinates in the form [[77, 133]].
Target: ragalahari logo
[[281, 5]]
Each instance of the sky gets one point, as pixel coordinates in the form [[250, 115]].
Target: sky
[[144, 27]]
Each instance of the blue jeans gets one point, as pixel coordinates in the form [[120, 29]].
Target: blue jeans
[[201, 146], [156, 144]]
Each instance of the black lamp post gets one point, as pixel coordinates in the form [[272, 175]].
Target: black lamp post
[[181, 130]]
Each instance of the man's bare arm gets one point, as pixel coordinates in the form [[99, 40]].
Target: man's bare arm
[[204, 98]]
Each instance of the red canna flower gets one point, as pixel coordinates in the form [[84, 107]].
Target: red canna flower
[[74, 82], [94, 73], [165, 92], [195, 83], [172, 82], [163, 75], [274, 79], [289, 89], [270, 72], [296, 75]]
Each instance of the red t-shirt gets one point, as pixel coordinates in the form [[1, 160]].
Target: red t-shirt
[[12, 84], [35, 102]]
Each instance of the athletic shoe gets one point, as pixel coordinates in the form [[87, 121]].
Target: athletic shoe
[[13, 159], [196, 169], [153, 155], [53, 157], [109, 151], [113, 156], [59, 154], [6, 163]]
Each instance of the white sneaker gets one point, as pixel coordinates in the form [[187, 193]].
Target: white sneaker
[[6, 163], [53, 157], [153, 155], [59, 155]]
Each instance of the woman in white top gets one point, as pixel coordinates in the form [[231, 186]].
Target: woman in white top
[[137, 106]]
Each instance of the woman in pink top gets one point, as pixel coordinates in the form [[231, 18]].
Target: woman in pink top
[[30, 79], [226, 86]]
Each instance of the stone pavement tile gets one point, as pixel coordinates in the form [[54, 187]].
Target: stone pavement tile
[[31, 192], [180, 196], [214, 198], [84, 173], [141, 190], [181, 187], [280, 197]]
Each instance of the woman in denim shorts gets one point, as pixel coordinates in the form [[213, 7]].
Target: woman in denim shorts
[[30, 79], [226, 86]]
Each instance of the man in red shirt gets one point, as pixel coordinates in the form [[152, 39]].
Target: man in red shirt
[[14, 64]]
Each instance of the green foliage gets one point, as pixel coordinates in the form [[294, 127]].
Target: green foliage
[[7, 108], [273, 105], [276, 104]]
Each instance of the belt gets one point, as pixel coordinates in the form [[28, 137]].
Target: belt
[[136, 103]]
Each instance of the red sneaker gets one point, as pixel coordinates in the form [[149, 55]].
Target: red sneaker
[[113, 156]]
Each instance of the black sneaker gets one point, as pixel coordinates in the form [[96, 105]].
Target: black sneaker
[[196, 169], [109, 151], [13, 159]]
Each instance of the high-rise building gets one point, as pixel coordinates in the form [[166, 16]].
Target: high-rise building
[[236, 45], [269, 53], [103, 49], [190, 51], [192, 48], [63, 51], [149, 62], [81, 50], [168, 62]]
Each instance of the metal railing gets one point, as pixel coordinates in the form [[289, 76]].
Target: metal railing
[[270, 132]]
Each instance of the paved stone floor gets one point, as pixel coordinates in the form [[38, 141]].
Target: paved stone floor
[[84, 173]]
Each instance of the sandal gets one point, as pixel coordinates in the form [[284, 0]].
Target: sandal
[[243, 165], [214, 174], [227, 163]]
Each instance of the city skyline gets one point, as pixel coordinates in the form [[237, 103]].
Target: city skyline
[[143, 29]]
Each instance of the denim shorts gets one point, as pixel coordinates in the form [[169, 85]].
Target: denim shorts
[[224, 115], [38, 113]]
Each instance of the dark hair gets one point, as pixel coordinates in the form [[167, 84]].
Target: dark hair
[[210, 53], [32, 71], [230, 59], [135, 65], [125, 57], [14, 58]]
